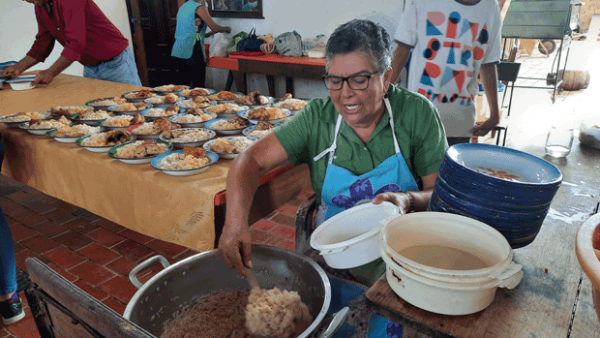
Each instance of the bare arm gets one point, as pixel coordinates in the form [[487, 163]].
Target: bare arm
[[420, 198], [400, 57], [206, 18], [21, 66], [46, 76], [242, 183], [489, 79]]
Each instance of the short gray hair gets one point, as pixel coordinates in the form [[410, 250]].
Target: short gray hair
[[361, 36]]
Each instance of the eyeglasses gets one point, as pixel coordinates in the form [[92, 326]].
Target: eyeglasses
[[356, 82]]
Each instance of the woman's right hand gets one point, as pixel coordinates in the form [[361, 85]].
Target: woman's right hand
[[235, 245]]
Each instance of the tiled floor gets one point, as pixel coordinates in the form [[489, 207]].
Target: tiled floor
[[97, 254]]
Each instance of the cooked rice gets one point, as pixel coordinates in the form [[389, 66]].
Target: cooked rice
[[190, 136], [51, 124], [179, 161], [157, 112], [129, 107], [98, 140], [260, 133], [192, 104], [128, 151], [189, 118], [201, 91], [134, 95], [291, 104], [24, 117], [147, 128], [227, 125], [227, 108], [108, 102], [239, 144], [118, 121], [94, 115], [69, 109], [77, 130], [170, 88]]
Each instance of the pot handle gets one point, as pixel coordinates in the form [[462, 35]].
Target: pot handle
[[510, 277], [336, 322], [145, 265]]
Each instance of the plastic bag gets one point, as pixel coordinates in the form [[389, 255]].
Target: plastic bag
[[219, 44], [317, 43], [289, 44], [236, 39]]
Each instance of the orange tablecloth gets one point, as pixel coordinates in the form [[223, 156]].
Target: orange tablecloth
[[298, 60]]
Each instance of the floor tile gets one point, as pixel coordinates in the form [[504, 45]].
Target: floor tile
[[92, 273], [10, 220], [80, 225], [288, 210], [119, 288], [122, 266], [19, 248], [29, 218], [41, 206], [105, 237], [135, 236], [133, 251], [60, 216], [288, 245], [165, 248], [92, 291], [25, 328], [88, 216], [108, 225], [50, 229], [21, 232], [283, 219], [285, 232], [68, 207], [264, 225], [98, 253], [40, 244], [66, 274], [21, 198], [6, 190], [9, 207], [23, 255], [115, 305], [73, 240], [64, 257]]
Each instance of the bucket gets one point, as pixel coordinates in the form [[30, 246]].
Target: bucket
[[350, 238], [574, 79], [430, 278]]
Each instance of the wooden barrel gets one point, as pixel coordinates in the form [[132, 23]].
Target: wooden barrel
[[574, 79]]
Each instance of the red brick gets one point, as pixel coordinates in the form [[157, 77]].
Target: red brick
[[73, 240], [135, 236], [88, 216], [284, 232], [115, 305], [64, 257], [11, 208], [122, 266], [21, 198], [5, 333], [21, 232], [39, 206], [92, 291], [80, 225], [133, 251], [40, 196], [10, 220], [98, 253], [288, 210], [19, 248], [29, 218], [60, 216], [284, 219], [68, 276], [25, 328], [166, 248], [40, 244], [23, 255], [92, 273], [119, 288], [264, 225], [260, 237], [50, 229], [10, 181], [108, 225], [105, 237], [68, 207], [289, 245]]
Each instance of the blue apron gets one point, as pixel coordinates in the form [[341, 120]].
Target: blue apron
[[342, 190]]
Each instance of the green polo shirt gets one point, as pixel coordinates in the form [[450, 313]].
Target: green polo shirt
[[417, 125]]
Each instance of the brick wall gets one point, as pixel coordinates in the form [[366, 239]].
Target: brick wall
[[588, 10]]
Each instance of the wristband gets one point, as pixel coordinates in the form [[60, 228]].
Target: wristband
[[411, 201]]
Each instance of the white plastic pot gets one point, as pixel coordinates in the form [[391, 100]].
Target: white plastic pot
[[445, 291], [350, 238]]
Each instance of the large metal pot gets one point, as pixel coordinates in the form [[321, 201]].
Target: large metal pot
[[159, 298]]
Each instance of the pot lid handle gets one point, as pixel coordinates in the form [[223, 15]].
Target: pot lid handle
[[510, 277], [146, 265]]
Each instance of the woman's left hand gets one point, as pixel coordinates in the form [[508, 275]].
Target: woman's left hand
[[399, 199]]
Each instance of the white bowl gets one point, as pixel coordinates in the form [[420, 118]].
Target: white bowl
[[209, 125], [244, 114], [190, 144], [213, 157], [350, 238], [228, 156]]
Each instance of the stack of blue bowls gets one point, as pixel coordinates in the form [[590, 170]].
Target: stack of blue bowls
[[516, 208]]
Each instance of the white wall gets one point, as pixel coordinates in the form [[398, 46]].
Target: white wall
[[309, 18], [18, 28]]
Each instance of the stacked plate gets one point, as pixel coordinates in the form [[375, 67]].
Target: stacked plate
[[505, 188]]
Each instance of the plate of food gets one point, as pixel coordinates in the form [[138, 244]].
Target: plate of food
[[163, 101], [14, 120], [193, 118], [122, 122], [188, 137], [227, 126], [260, 130], [103, 104], [129, 108], [68, 111], [197, 102], [185, 162], [154, 112], [223, 97], [229, 147], [139, 152], [139, 95], [268, 114], [289, 103], [152, 130], [191, 93], [41, 127], [254, 99], [90, 117], [70, 134], [225, 109], [170, 89], [102, 142]]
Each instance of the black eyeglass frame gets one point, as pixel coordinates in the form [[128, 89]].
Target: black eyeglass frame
[[346, 79]]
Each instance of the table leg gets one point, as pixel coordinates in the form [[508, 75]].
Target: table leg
[[229, 81], [289, 86], [240, 81], [271, 85]]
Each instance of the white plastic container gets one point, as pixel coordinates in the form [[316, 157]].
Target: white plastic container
[[445, 291], [350, 238]]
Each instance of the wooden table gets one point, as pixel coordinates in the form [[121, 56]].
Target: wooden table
[[192, 208], [556, 303], [270, 65]]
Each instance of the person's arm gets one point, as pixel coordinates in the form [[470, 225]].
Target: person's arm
[[489, 80], [242, 182], [401, 55], [208, 20], [21, 66], [41, 49], [46, 76], [420, 198]]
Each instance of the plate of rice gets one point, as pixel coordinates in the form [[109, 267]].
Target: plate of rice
[[139, 95], [129, 108], [170, 89], [193, 92], [14, 120], [122, 121], [91, 117], [268, 114], [103, 104], [152, 130], [59, 111], [197, 102], [260, 130], [293, 105], [227, 126], [226, 109], [154, 112], [41, 127], [229, 147], [163, 101], [70, 134], [139, 152], [102, 142], [189, 137], [254, 99], [224, 96], [178, 163], [192, 120]]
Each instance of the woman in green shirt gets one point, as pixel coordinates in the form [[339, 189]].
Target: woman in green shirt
[[368, 140]]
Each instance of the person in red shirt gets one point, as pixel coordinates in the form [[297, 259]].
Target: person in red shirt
[[88, 37]]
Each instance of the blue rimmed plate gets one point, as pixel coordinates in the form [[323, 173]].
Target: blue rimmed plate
[[155, 163], [244, 114], [98, 149], [16, 124], [250, 129], [229, 156], [132, 96], [70, 139], [191, 124], [211, 125], [179, 132], [112, 152]]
